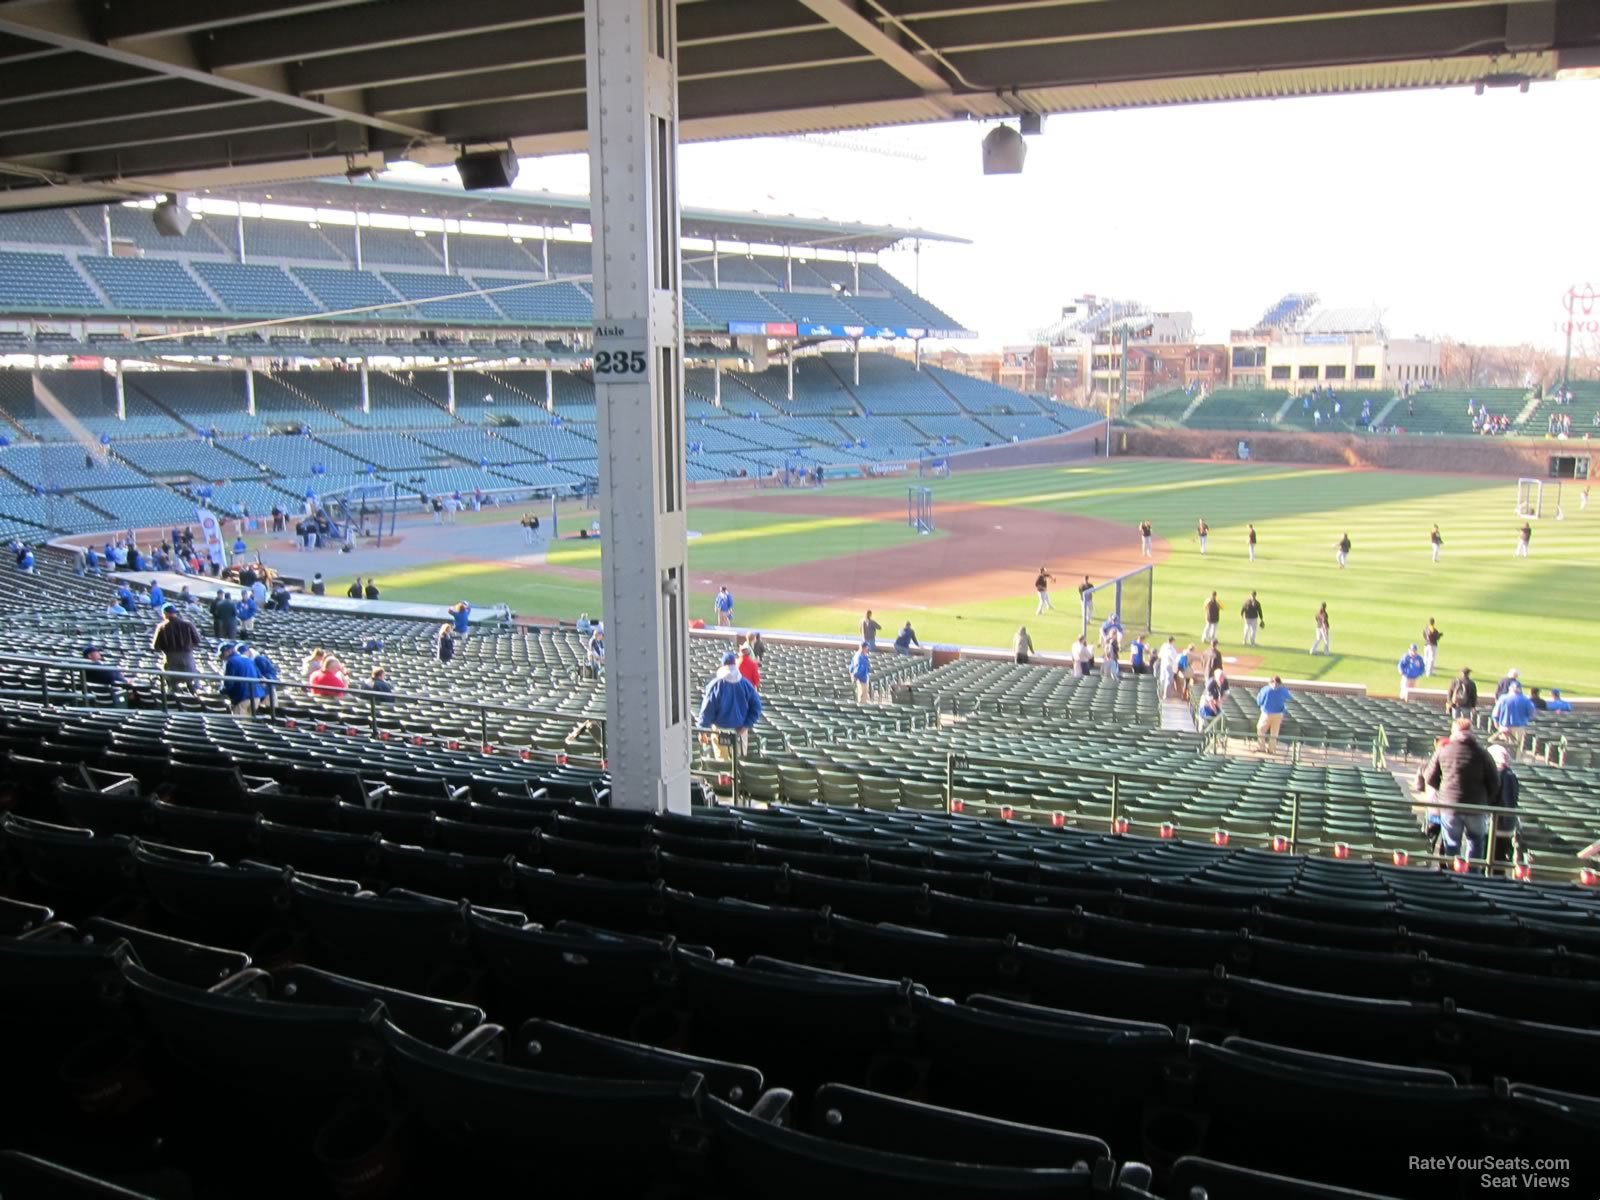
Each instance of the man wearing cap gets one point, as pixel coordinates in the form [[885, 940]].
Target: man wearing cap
[[1513, 710], [1463, 773], [116, 686], [246, 608], [240, 683], [1254, 619], [730, 704], [1412, 668], [861, 672], [1556, 703], [176, 639], [266, 669], [461, 619]]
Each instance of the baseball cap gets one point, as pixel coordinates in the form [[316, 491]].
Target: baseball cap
[[88, 650], [225, 649], [729, 659], [169, 608]]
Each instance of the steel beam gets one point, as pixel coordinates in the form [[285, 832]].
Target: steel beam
[[633, 156]]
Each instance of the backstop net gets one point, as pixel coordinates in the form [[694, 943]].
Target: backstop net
[[1129, 597], [1536, 495]]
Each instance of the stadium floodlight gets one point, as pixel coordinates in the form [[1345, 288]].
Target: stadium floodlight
[[1003, 151]]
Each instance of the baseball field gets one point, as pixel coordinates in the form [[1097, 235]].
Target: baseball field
[[815, 560]]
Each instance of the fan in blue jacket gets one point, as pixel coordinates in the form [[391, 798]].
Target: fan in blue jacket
[[730, 702], [240, 682]]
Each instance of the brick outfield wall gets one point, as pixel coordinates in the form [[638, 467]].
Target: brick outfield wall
[[1497, 456]]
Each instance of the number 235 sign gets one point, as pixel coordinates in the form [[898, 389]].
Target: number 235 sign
[[620, 351]]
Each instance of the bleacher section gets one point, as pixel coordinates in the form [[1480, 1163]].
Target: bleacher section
[[1237, 408], [340, 941], [44, 283], [308, 433], [255, 288]]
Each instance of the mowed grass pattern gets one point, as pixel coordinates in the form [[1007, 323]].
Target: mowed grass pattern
[[1496, 611]]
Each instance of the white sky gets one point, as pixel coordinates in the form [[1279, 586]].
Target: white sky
[[1456, 214]]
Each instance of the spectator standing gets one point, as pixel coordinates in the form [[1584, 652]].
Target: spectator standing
[[224, 617], [595, 648], [749, 669], [1513, 712], [730, 704], [861, 672], [240, 683], [869, 631], [1462, 773], [1211, 661], [1212, 610], [1504, 686], [1166, 668], [1462, 697], [905, 639], [1507, 825], [444, 644], [758, 648], [266, 669], [1022, 646], [1254, 619], [461, 618], [176, 640], [156, 597], [1273, 701], [1540, 704], [1138, 655], [1082, 656], [1411, 668], [246, 610]]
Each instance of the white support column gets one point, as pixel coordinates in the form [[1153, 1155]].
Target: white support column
[[122, 393], [450, 389], [546, 229], [855, 272], [716, 383], [856, 345], [446, 235], [916, 355], [549, 388], [358, 241], [249, 389], [716, 265], [105, 228], [916, 278], [788, 269], [366, 388], [238, 233], [632, 52], [788, 390]]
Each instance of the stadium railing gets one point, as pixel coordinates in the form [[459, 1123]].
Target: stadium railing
[[1119, 822], [164, 697]]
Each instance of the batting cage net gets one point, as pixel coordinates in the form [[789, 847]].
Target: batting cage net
[[1534, 494], [1129, 597]]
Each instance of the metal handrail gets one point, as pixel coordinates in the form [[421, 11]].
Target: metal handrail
[[377, 702], [956, 761]]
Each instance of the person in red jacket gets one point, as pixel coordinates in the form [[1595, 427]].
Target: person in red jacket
[[749, 667], [329, 679]]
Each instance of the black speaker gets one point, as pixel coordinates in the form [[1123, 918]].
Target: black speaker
[[487, 169], [171, 217]]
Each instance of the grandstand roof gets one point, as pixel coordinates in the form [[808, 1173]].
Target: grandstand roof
[[1344, 320], [105, 100], [515, 207]]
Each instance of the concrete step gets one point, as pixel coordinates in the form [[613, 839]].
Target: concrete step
[[1176, 714]]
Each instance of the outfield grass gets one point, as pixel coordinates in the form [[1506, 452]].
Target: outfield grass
[[1495, 611]]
